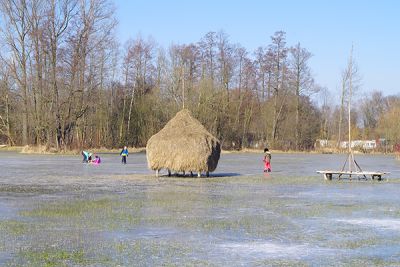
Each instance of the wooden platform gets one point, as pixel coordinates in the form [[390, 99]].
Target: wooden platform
[[328, 175]]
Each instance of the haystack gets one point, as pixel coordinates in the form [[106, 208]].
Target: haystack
[[183, 145]]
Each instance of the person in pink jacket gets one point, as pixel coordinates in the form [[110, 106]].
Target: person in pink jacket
[[96, 160], [267, 160]]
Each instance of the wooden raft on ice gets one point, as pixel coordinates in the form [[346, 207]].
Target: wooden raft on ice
[[328, 175]]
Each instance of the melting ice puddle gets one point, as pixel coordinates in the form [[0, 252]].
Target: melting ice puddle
[[391, 224], [7, 211], [324, 194], [4, 257], [272, 250]]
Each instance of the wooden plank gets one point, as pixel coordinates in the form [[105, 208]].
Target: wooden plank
[[328, 174], [354, 173]]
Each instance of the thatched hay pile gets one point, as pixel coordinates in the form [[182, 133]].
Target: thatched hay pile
[[183, 145]]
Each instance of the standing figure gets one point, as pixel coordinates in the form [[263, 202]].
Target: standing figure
[[267, 160], [124, 153]]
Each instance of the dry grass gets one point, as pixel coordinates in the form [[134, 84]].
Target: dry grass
[[11, 148], [116, 150], [183, 145], [43, 149], [38, 150]]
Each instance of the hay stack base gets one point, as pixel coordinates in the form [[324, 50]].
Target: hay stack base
[[183, 145], [181, 175]]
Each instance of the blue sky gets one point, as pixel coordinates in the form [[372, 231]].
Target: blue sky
[[326, 28]]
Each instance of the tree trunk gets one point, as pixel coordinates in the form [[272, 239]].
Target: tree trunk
[[56, 105], [275, 118], [297, 130], [121, 126], [130, 110], [9, 136], [25, 95]]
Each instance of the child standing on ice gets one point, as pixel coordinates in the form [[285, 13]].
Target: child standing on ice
[[267, 160], [124, 153]]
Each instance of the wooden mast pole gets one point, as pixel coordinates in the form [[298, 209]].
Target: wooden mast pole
[[351, 159]]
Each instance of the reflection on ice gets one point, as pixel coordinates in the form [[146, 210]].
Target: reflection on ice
[[274, 250], [392, 224]]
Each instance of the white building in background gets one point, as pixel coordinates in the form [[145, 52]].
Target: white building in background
[[364, 144], [320, 143], [370, 144]]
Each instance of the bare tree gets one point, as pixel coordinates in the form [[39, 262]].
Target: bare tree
[[207, 47], [15, 33], [226, 61], [303, 81], [326, 111], [139, 72], [278, 53], [59, 16], [241, 54], [5, 124], [262, 68], [372, 109], [350, 83]]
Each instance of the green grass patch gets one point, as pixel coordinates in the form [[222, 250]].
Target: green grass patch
[[70, 209], [96, 214], [54, 257], [154, 252], [26, 189], [14, 227]]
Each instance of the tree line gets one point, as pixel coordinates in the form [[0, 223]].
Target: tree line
[[66, 82]]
